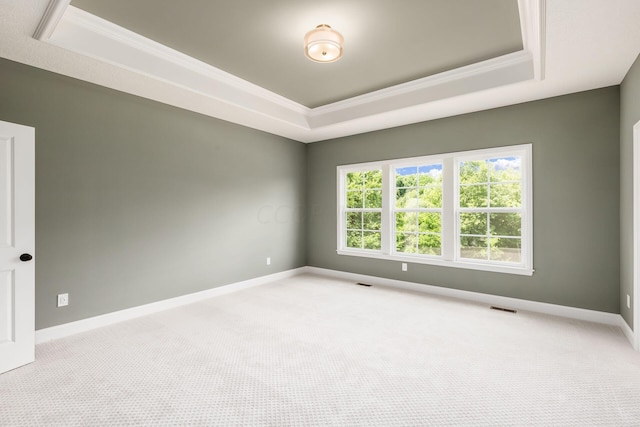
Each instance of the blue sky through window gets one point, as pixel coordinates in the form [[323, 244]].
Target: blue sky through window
[[501, 163], [504, 163], [427, 170]]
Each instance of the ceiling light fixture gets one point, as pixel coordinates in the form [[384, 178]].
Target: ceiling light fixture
[[323, 44]]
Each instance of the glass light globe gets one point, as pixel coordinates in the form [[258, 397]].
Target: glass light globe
[[323, 44]]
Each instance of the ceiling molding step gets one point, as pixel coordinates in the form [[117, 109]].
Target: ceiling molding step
[[52, 15], [219, 94], [507, 69], [533, 26], [89, 35]]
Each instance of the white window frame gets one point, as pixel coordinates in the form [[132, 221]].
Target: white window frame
[[450, 235]]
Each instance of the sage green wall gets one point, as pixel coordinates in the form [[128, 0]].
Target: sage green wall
[[629, 116], [576, 196], [137, 201]]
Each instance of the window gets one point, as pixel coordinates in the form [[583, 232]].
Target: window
[[364, 209], [468, 210], [418, 209], [490, 209]]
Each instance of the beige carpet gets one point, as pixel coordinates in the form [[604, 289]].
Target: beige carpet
[[317, 351]]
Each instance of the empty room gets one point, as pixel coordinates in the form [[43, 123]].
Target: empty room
[[327, 213]]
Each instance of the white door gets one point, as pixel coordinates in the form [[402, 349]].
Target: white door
[[17, 244]]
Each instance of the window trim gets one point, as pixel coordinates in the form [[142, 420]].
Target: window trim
[[449, 226]]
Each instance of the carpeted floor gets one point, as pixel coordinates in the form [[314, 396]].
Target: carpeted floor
[[317, 351]]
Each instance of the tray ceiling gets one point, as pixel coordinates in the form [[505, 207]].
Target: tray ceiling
[[386, 43], [564, 46]]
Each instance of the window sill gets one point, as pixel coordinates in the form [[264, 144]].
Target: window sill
[[439, 262]]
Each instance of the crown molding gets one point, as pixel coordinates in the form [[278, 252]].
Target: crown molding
[[533, 15], [50, 19], [512, 68], [225, 96], [95, 37]]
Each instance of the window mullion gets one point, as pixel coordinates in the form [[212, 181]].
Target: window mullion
[[448, 209], [388, 200], [342, 216]]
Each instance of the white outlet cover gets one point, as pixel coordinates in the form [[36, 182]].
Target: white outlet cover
[[268, 260], [404, 266], [63, 300], [628, 301]]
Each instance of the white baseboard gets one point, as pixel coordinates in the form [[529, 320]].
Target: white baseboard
[[507, 302], [626, 329], [601, 317], [66, 329]]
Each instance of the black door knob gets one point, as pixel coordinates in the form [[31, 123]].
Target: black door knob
[[25, 257]]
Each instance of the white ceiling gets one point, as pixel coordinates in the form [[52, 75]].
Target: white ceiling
[[574, 45]]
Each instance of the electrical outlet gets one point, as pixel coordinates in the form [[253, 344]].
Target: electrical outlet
[[404, 266], [628, 301], [268, 260], [63, 300]]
